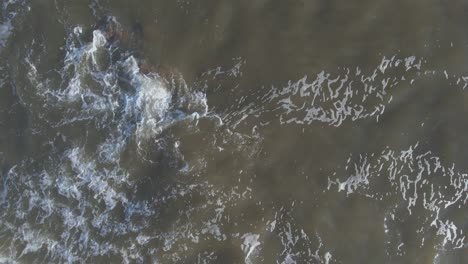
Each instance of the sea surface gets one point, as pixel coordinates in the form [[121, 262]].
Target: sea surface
[[234, 131]]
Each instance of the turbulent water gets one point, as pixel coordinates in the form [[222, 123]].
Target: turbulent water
[[254, 131]]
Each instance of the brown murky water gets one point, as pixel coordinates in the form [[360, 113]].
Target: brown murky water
[[252, 131]]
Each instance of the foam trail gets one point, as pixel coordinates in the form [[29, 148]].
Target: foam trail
[[334, 99], [421, 180]]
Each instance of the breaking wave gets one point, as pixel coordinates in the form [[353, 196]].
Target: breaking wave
[[84, 189]]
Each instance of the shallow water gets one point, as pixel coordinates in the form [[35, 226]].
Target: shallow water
[[255, 131]]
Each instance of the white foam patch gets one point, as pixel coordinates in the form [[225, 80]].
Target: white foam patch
[[249, 245], [152, 100], [10, 10], [5, 31]]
